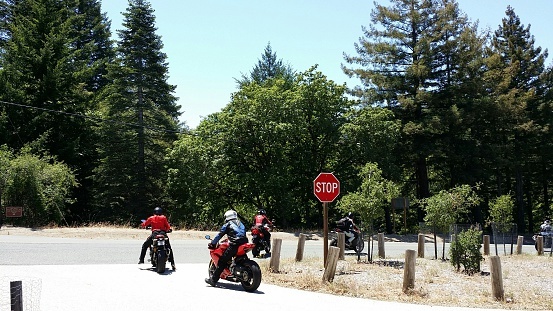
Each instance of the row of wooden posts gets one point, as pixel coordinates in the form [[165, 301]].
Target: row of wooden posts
[[337, 253]]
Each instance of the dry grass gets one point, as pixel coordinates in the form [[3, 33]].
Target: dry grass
[[526, 280]]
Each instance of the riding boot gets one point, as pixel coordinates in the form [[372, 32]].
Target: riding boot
[[142, 254]]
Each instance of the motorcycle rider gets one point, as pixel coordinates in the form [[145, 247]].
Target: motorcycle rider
[[348, 226], [236, 233], [157, 222], [546, 226], [263, 223]]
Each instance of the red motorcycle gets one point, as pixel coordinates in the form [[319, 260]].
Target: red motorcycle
[[260, 241], [242, 269]]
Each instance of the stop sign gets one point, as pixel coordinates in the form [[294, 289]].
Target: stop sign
[[326, 187]]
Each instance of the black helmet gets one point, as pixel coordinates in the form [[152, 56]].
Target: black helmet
[[158, 211], [350, 215], [261, 211]]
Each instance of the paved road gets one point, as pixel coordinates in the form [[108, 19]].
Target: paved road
[[78, 274], [128, 287], [28, 250]]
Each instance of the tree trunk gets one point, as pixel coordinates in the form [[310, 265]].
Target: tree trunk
[[529, 209], [141, 170], [545, 205], [519, 200], [423, 190]]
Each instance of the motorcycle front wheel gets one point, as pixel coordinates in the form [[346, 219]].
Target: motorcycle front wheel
[[359, 244], [211, 268], [251, 275]]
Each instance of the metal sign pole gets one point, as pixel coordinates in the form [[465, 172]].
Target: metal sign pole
[[325, 230]]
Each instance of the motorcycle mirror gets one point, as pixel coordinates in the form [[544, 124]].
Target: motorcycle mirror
[[207, 237]]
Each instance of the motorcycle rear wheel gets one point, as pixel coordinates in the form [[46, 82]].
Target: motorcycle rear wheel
[[161, 261], [253, 276]]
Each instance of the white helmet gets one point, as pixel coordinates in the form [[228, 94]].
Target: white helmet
[[230, 215]]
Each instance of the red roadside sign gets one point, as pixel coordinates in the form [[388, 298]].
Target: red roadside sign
[[326, 187], [14, 211]]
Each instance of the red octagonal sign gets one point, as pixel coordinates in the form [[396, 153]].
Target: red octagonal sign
[[326, 187]]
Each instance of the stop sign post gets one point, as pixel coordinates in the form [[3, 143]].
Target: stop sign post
[[326, 188]]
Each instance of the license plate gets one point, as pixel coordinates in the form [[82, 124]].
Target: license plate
[[161, 242]]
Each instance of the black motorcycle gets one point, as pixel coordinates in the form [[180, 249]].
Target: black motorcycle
[[357, 244], [159, 250], [547, 239]]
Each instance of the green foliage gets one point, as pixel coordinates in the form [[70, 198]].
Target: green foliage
[[447, 207], [501, 210], [268, 68], [422, 60], [465, 251], [439, 105], [41, 186], [372, 198]]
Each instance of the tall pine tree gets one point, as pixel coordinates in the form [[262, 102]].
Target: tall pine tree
[[515, 67], [412, 58], [268, 67], [141, 120]]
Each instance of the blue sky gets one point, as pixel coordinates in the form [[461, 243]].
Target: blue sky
[[209, 43]]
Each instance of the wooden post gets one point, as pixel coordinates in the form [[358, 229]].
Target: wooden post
[[341, 244], [409, 270], [301, 247], [381, 251], [331, 263], [16, 294], [275, 255], [420, 248], [539, 245], [520, 241], [486, 245], [497, 278]]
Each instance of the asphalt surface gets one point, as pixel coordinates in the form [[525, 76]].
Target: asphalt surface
[[135, 287], [53, 278]]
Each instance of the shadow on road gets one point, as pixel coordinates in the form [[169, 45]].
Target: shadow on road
[[233, 286]]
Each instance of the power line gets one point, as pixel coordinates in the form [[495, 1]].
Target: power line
[[156, 129]]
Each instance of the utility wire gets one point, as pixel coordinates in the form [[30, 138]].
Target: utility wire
[[156, 129]]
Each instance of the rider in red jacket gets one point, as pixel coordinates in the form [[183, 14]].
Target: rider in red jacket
[[263, 223], [157, 222]]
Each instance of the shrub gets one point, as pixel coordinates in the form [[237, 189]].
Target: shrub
[[465, 251]]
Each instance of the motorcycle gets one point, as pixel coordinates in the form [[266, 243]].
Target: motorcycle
[[159, 250], [241, 270], [357, 244], [547, 239], [260, 241]]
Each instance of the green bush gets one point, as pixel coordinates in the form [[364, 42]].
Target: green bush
[[465, 251]]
